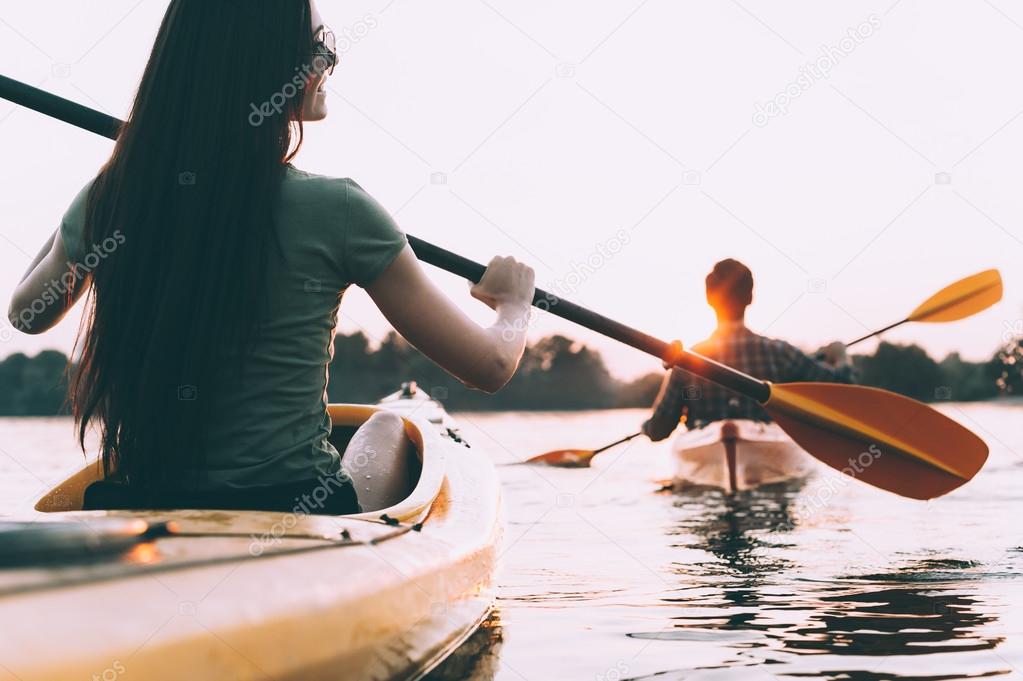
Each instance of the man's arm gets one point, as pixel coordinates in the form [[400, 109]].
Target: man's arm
[[668, 408], [836, 369]]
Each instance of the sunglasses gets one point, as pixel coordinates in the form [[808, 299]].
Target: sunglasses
[[325, 48]]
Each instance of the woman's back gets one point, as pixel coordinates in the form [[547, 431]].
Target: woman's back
[[270, 422]]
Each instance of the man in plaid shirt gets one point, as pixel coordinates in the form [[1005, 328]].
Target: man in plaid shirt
[[686, 396]]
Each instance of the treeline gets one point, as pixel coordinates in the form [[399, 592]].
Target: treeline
[[909, 370], [556, 373], [33, 386]]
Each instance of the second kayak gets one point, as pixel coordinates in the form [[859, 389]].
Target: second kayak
[[738, 454]]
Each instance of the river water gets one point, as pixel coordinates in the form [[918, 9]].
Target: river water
[[604, 577]]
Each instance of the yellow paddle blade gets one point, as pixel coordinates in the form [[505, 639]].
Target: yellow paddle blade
[[962, 299], [564, 458], [881, 438]]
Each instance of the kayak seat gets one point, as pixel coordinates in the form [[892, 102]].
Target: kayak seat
[[88, 490], [115, 495], [340, 497]]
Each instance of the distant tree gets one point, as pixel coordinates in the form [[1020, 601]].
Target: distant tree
[[966, 381], [35, 386], [1009, 367], [555, 373], [565, 374], [640, 392], [12, 375], [905, 369]]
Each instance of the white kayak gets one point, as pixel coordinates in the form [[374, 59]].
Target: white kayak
[[737, 455], [198, 594]]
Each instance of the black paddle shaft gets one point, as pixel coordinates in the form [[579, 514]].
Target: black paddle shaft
[[108, 126], [690, 361], [59, 108]]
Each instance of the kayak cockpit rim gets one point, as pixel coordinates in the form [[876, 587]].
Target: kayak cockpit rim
[[426, 446]]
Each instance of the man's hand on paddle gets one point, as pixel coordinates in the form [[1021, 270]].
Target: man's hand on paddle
[[835, 354]]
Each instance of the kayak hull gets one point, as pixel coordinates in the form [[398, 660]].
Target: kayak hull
[[253, 595], [737, 455]]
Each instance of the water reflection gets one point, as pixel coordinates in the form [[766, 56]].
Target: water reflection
[[743, 598], [740, 533], [911, 620], [478, 658], [736, 529]]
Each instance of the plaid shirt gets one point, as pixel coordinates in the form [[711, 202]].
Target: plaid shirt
[[685, 395]]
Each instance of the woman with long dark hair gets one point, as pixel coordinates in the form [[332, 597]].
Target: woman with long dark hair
[[213, 271]]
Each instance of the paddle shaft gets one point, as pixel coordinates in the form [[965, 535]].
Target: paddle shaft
[[616, 443], [875, 333], [59, 108], [108, 126]]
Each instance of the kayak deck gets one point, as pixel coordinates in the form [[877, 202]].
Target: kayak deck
[[738, 454], [251, 595]]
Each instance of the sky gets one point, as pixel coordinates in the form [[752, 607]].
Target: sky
[[858, 156]]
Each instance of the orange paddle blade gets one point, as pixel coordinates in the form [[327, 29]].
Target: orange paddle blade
[[962, 299], [564, 458], [881, 438]]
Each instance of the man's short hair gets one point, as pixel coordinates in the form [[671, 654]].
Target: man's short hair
[[730, 285]]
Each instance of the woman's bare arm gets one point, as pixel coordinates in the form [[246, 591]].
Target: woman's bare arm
[[483, 358], [42, 298]]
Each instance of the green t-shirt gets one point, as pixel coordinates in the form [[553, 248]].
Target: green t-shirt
[[272, 427]]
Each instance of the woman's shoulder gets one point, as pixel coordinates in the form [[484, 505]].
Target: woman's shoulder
[[333, 192], [366, 235], [301, 182]]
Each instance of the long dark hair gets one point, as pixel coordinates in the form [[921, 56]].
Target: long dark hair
[[189, 195]]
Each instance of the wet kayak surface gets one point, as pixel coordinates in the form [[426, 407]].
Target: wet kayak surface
[[605, 578]]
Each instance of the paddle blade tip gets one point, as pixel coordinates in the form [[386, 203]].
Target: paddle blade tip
[[881, 438], [563, 458], [963, 299]]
